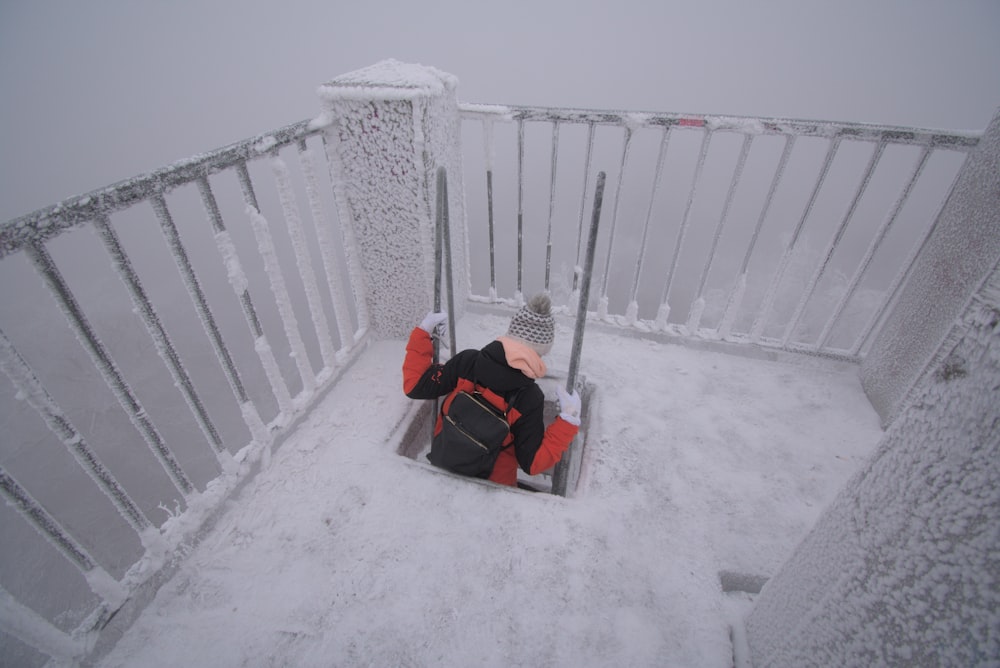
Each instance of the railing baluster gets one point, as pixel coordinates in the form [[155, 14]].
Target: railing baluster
[[736, 297], [632, 312], [109, 370], [772, 289], [340, 311], [587, 161], [100, 580], [265, 244], [903, 275], [519, 296], [694, 319], [355, 272], [552, 203], [34, 630], [239, 283], [733, 185], [834, 242], [164, 345], [664, 310], [488, 148], [874, 246], [602, 308], [30, 387], [250, 415], [293, 222]]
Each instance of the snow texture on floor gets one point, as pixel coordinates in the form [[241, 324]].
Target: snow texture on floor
[[343, 553]]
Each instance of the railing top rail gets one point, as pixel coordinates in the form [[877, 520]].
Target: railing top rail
[[953, 140], [50, 221]]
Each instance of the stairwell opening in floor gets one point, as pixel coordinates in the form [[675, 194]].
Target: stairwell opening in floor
[[414, 441]]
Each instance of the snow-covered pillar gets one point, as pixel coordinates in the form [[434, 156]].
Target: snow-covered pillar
[[390, 126], [903, 569], [956, 259]]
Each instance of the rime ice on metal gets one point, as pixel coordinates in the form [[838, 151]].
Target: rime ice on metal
[[396, 124]]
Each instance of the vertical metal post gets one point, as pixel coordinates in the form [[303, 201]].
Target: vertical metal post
[[583, 196], [488, 142], [239, 283], [109, 370], [834, 242], [736, 296], [323, 236], [164, 345], [445, 224], [29, 386], [733, 184], [626, 146], [296, 233], [903, 275], [772, 290], [552, 202], [50, 529], [520, 210], [897, 206], [438, 243], [633, 306], [561, 474], [252, 417], [32, 629], [685, 221]]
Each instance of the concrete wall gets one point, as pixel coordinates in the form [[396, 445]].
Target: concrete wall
[[959, 254], [391, 126], [904, 568]]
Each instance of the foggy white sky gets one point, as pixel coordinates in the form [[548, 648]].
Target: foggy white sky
[[95, 92]]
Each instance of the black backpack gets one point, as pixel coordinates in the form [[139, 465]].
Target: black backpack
[[472, 434]]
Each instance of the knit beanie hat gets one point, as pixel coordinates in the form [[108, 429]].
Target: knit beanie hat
[[534, 324]]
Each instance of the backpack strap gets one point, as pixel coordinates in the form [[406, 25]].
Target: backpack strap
[[510, 402]]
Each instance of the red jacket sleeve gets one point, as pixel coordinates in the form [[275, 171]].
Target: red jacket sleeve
[[419, 356], [422, 379], [556, 441]]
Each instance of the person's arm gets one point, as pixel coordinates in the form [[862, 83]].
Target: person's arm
[[538, 448], [422, 379]]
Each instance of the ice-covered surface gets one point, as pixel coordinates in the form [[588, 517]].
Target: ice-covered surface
[[385, 149], [344, 553], [903, 568], [962, 250]]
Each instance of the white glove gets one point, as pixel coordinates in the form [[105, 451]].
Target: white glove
[[433, 320], [569, 405]]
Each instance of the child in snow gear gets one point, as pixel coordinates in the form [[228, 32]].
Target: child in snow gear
[[502, 376]]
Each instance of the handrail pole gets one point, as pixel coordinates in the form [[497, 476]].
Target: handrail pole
[[552, 203], [442, 177], [488, 149], [560, 477]]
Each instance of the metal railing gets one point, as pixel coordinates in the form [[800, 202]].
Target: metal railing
[[789, 234], [197, 487], [785, 233]]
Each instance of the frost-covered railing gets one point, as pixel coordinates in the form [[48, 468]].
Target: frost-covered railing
[[789, 234], [277, 336]]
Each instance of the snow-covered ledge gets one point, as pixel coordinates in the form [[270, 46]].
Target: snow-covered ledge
[[388, 128]]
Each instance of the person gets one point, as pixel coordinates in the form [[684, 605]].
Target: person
[[507, 368]]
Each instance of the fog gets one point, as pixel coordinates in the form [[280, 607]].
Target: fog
[[96, 92]]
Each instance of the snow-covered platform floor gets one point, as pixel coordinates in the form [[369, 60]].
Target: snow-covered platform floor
[[343, 553]]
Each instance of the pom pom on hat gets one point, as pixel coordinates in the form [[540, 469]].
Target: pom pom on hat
[[534, 324]]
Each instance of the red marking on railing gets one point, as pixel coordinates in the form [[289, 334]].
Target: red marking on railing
[[691, 122]]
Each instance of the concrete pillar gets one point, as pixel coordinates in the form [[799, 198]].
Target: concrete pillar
[[390, 126], [958, 256], [903, 569]]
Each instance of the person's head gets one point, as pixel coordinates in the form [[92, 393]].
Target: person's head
[[534, 325]]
